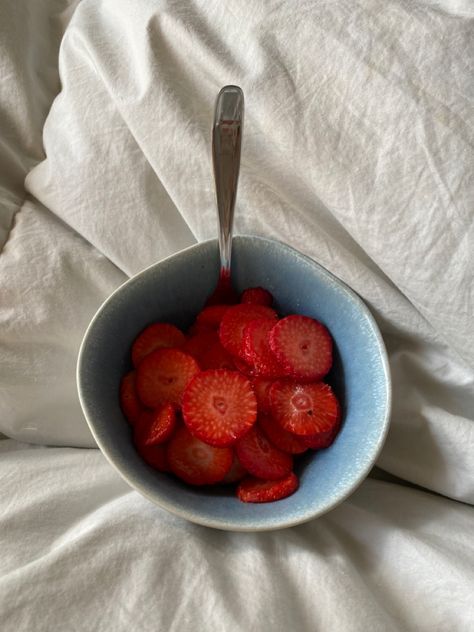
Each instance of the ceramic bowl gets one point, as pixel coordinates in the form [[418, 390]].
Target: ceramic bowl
[[174, 290]]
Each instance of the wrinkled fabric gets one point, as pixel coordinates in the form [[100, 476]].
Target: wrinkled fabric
[[358, 151], [95, 555]]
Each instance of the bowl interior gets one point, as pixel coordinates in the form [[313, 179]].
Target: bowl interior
[[174, 290]]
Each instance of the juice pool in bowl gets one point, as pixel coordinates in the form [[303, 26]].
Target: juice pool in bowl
[[174, 291]]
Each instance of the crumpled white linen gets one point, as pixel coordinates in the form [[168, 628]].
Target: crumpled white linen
[[358, 151], [91, 554], [28, 83]]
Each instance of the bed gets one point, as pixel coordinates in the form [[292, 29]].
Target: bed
[[358, 151]]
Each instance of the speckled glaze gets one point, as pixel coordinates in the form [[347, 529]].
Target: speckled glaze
[[174, 290]]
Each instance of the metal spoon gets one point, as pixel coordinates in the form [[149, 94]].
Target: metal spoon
[[226, 144]]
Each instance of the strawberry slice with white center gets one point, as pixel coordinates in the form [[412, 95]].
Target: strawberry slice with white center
[[196, 462], [257, 350], [156, 336], [261, 458], [219, 406], [231, 330], [305, 409], [163, 375], [303, 346], [254, 490]]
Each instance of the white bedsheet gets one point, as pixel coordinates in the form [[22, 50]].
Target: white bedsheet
[[88, 553], [358, 150]]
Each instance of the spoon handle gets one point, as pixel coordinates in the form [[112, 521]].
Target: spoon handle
[[226, 143]]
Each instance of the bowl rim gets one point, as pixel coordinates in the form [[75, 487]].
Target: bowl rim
[[225, 524]]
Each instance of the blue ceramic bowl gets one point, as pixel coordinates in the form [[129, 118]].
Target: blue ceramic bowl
[[174, 290]]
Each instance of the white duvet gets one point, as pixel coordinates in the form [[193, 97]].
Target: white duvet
[[358, 151]]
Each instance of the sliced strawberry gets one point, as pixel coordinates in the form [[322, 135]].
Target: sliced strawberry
[[303, 346], [211, 316], [155, 426], [236, 472], [156, 336], [129, 402], [257, 350], [254, 490], [233, 323], [281, 439], [200, 343], [219, 406], [257, 296], [243, 367], [261, 386], [155, 455], [217, 358], [322, 439], [305, 409], [261, 458], [196, 462], [163, 375]]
